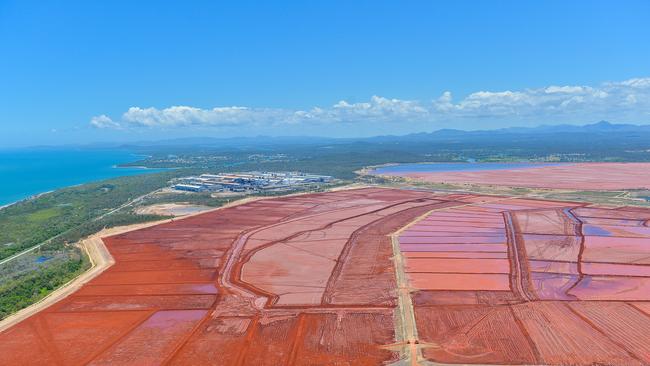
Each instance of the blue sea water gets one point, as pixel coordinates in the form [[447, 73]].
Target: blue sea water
[[24, 173], [453, 167]]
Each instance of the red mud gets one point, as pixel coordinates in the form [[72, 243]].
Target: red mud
[[460, 281], [592, 176], [309, 280], [478, 307], [466, 334], [297, 280]]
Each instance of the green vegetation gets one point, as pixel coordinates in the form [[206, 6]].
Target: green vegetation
[[44, 214], [203, 199], [58, 220], [65, 213], [33, 286]]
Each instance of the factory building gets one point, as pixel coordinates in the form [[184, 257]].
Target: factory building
[[250, 181]]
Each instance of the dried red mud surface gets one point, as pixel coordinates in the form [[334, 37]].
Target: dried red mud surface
[[518, 281], [288, 281], [592, 176]]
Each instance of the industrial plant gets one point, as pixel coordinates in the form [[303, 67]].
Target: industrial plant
[[249, 181]]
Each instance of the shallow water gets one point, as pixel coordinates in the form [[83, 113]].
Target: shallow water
[[24, 172]]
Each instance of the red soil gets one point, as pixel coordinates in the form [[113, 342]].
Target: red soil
[[592, 176], [562, 337], [465, 334]]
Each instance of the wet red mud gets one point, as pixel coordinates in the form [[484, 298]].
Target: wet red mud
[[591, 176], [310, 280], [297, 280], [574, 286]]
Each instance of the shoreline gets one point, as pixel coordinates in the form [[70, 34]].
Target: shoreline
[[143, 167], [37, 195], [32, 197], [100, 169]]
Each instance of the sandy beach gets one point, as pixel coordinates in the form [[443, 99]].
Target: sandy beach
[[32, 197]]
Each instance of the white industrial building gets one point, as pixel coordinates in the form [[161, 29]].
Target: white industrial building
[[249, 181]]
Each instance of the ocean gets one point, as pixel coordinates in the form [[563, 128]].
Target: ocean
[[24, 173]]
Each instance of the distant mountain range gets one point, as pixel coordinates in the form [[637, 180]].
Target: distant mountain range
[[602, 128], [599, 127], [626, 134]]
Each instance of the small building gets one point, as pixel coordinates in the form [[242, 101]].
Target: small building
[[189, 188]]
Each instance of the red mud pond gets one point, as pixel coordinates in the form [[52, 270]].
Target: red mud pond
[[539, 287], [311, 280], [576, 176]]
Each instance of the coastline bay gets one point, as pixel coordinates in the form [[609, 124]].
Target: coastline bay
[[28, 172]]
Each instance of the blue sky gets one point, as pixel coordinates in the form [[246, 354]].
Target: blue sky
[[85, 71]]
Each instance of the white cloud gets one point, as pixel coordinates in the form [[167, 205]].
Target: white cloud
[[640, 83], [378, 109], [619, 101], [103, 121], [183, 116], [615, 100], [566, 89]]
